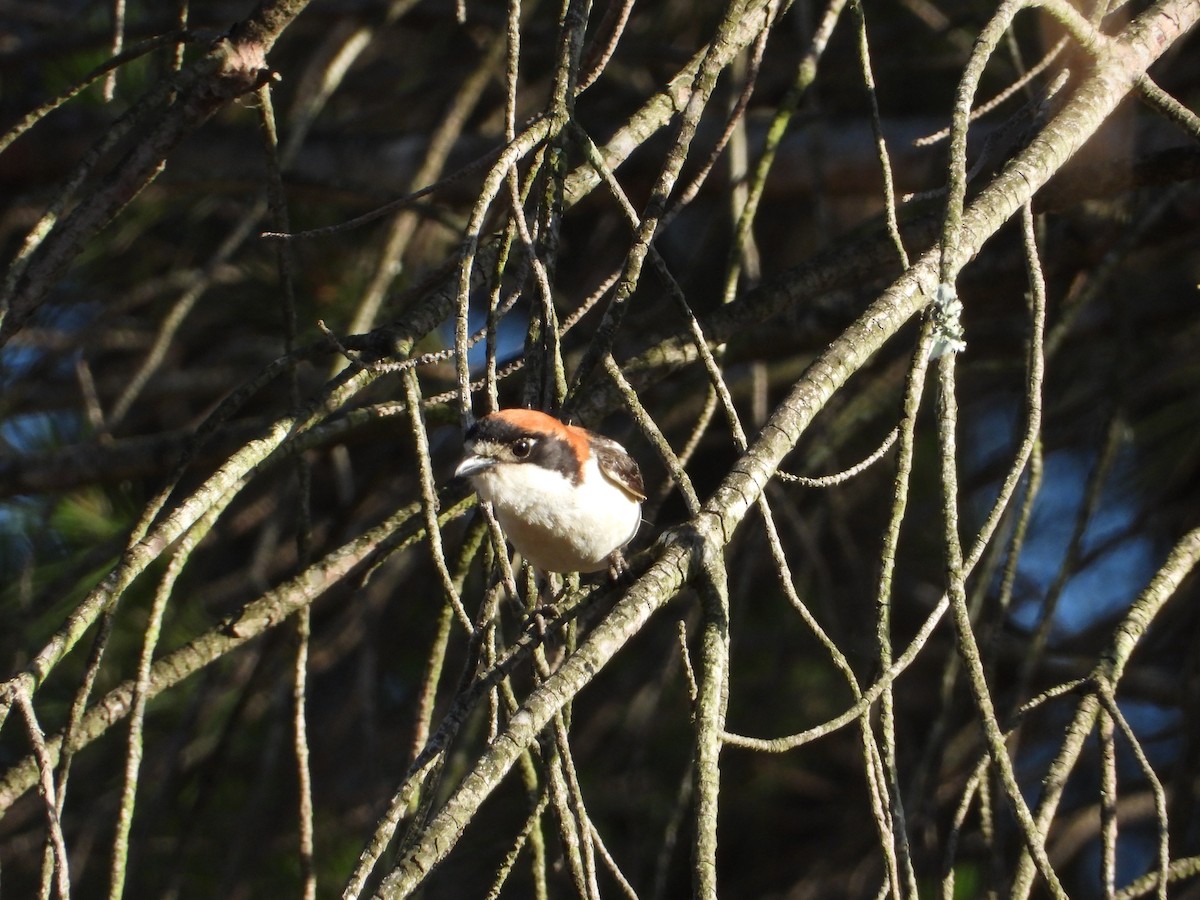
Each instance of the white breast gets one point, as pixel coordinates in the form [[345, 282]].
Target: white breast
[[556, 525]]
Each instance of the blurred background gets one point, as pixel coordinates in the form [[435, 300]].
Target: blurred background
[[173, 303]]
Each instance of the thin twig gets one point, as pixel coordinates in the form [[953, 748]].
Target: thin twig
[[45, 768]]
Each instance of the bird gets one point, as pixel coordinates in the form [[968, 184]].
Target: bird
[[567, 498]]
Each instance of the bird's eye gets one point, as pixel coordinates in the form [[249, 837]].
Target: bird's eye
[[521, 447]]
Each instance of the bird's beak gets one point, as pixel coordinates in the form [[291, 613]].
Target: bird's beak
[[472, 465]]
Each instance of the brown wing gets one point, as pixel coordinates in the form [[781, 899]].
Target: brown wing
[[618, 466]]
